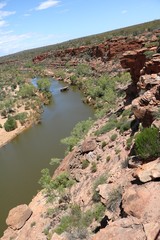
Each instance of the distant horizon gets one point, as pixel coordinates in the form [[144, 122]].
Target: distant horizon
[[31, 25], [30, 49]]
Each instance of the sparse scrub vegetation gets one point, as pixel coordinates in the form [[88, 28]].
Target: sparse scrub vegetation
[[52, 187], [110, 125], [22, 117], [78, 220], [94, 167]]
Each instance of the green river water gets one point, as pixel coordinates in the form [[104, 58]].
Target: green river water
[[22, 160]]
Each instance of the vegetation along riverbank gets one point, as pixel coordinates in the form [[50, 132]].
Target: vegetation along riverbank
[[107, 186]]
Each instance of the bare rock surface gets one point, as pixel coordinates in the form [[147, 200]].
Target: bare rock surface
[[149, 171], [142, 202], [88, 145], [18, 216], [152, 230], [128, 229]]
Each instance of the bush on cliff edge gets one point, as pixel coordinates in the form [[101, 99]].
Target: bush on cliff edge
[[147, 143]]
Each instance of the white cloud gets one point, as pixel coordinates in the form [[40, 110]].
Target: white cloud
[[2, 5], [124, 12], [12, 43], [2, 23], [47, 4], [4, 14]]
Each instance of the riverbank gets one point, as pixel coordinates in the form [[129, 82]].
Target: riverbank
[[6, 137]]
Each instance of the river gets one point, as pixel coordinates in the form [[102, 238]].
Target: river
[[22, 160]]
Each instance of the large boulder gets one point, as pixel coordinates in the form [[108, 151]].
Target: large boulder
[[149, 171], [142, 202], [18, 216], [88, 145]]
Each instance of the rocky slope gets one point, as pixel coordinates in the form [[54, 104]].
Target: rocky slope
[[114, 191]]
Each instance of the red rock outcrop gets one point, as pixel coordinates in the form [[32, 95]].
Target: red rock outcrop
[[134, 61], [145, 86], [107, 50]]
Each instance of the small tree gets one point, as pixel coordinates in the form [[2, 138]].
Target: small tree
[[10, 124], [44, 84], [27, 90], [147, 143]]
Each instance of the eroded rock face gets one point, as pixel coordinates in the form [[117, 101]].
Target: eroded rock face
[[145, 106], [134, 61], [18, 216], [145, 87]]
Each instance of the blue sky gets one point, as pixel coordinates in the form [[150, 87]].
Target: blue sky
[[34, 23]]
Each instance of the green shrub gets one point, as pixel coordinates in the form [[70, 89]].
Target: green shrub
[[147, 143], [103, 144], [21, 117], [10, 124], [123, 125], [55, 162], [108, 158], [94, 167], [117, 151], [85, 164], [149, 54], [33, 224], [126, 112], [129, 142], [113, 137]]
